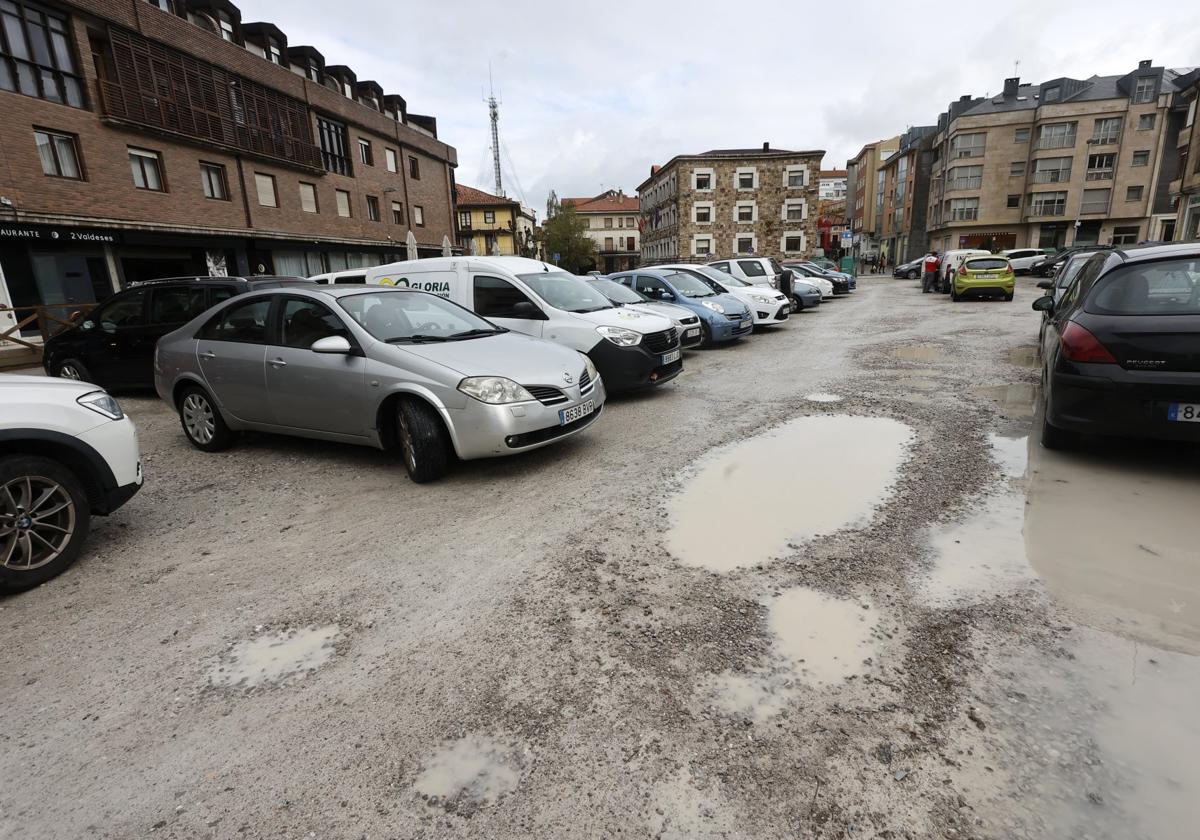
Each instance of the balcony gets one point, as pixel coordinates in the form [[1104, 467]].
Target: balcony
[[964, 214], [1052, 176], [1036, 210], [1066, 142], [1091, 208], [1099, 175]]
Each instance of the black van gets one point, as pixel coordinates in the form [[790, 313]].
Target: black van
[[114, 346]]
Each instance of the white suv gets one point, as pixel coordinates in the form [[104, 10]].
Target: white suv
[[1022, 259], [67, 451], [758, 271]]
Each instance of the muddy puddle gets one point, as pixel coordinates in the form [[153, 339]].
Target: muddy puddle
[[275, 658], [818, 641], [1017, 398], [1026, 357], [919, 353], [469, 773], [822, 398], [761, 498]]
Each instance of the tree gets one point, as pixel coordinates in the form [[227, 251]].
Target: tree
[[566, 236]]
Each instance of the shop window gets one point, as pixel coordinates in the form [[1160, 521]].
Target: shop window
[[146, 167], [59, 154]]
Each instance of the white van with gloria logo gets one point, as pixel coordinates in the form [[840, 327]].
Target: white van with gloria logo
[[630, 349]]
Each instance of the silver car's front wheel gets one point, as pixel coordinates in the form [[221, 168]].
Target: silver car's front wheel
[[202, 422]]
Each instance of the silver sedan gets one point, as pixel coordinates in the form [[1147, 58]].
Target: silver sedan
[[376, 366]]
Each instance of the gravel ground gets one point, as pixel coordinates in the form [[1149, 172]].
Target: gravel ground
[[512, 652]]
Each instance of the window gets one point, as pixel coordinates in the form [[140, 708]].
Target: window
[[1047, 204], [464, 219], [1125, 235], [1146, 122], [630, 222], [608, 243], [127, 310], [1052, 94], [744, 212], [305, 322], [1144, 90], [1141, 158], [364, 152], [1021, 135], [608, 222], [212, 181], [703, 213], [35, 54], [343, 203], [793, 242], [745, 244], [1014, 200], [1165, 288], [795, 176], [1052, 170], [1108, 130], [59, 154], [794, 210], [752, 268], [703, 180], [968, 145], [308, 197], [418, 215], [489, 217], [147, 170], [265, 184], [176, 304], [1134, 193], [245, 323], [332, 137], [964, 209], [961, 178], [1095, 200], [389, 156], [373, 208], [1017, 167], [414, 168], [1100, 167], [701, 246], [496, 298], [225, 24], [746, 178], [1056, 136]]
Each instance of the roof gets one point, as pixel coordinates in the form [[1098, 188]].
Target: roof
[[1158, 252], [607, 202], [736, 154], [470, 197], [834, 173]]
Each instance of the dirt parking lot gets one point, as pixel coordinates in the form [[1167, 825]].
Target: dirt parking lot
[[822, 585]]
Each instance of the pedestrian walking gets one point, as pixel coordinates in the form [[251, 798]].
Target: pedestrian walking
[[786, 285], [929, 280]]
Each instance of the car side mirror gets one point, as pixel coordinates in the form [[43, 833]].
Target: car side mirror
[[665, 295], [1045, 284], [1044, 304], [525, 309], [334, 345]]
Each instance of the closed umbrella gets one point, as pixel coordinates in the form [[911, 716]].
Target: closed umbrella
[[411, 244]]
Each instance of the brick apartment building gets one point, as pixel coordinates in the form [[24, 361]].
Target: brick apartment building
[[864, 196], [612, 223], [730, 202], [147, 139], [1069, 161], [905, 194]]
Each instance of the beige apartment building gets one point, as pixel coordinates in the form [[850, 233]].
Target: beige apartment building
[[1185, 189], [863, 193], [1069, 161], [730, 202], [612, 223]]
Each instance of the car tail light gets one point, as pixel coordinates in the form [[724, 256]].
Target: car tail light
[[1079, 345]]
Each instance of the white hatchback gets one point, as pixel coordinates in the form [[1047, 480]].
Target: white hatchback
[[769, 306], [67, 451]]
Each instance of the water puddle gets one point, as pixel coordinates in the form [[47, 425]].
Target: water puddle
[[1026, 357], [275, 658], [919, 353], [1016, 398], [918, 384], [817, 641], [1010, 453], [469, 773], [761, 498], [822, 398]]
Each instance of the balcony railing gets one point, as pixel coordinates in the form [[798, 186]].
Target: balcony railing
[[965, 183], [1056, 142], [1089, 207], [964, 214], [1099, 175], [1052, 176], [1048, 209]]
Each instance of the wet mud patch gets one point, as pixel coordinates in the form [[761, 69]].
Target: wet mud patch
[[821, 397], [1015, 399], [920, 353], [275, 658], [470, 773], [762, 498]]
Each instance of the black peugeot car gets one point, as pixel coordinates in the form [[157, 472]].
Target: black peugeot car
[[113, 345], [1121, 349]]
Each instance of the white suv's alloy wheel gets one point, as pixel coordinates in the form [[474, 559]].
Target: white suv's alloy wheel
[[37, 521]]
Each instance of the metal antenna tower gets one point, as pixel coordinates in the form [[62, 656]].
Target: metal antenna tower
[[494, 114]]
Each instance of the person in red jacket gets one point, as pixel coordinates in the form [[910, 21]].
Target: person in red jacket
[[931, 264]]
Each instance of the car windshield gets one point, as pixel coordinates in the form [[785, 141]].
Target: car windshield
[[690, 286], [616, 292], [401, 317], [1169, 287], [566, 291], [986, 264], [720, 277]]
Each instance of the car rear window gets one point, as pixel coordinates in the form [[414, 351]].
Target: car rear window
[[986, 264], [1169, 287]]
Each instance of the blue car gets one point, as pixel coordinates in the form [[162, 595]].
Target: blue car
[[722, 317]]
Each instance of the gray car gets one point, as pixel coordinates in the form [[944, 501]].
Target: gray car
[[377, 366]]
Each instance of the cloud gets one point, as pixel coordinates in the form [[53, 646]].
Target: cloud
[[592, 95]]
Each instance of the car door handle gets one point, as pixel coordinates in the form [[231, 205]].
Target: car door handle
[[277, 363], [208, 354]]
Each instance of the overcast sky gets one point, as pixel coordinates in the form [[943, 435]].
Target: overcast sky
[[594, 93]]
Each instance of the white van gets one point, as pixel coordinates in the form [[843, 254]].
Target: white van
[[630, 349], [951, 262]]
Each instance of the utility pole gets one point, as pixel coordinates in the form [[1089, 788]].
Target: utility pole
[[494, 114]]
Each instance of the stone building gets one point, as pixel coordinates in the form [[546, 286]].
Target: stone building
[[1069, 161], [905, 196], [148, 139], [1185, 189], [612, 223], [864, 196], [730, 202]]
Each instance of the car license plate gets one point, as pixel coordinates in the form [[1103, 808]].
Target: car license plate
[[692, 333], [673, 356], [576, 412], [1184, 412], [985, 276], [787, 307]]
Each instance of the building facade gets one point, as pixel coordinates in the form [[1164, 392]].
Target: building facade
[[730, 202], [832, 184], [492, 225], [612, 224], [148, 139], [905, 196], [1065, 162], [864, 196], [1185, 189]]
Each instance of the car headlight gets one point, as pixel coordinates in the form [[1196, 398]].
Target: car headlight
[[494, 390], [621, 336], [715, 307], [101, 403], [593, 374], [762, 298]]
